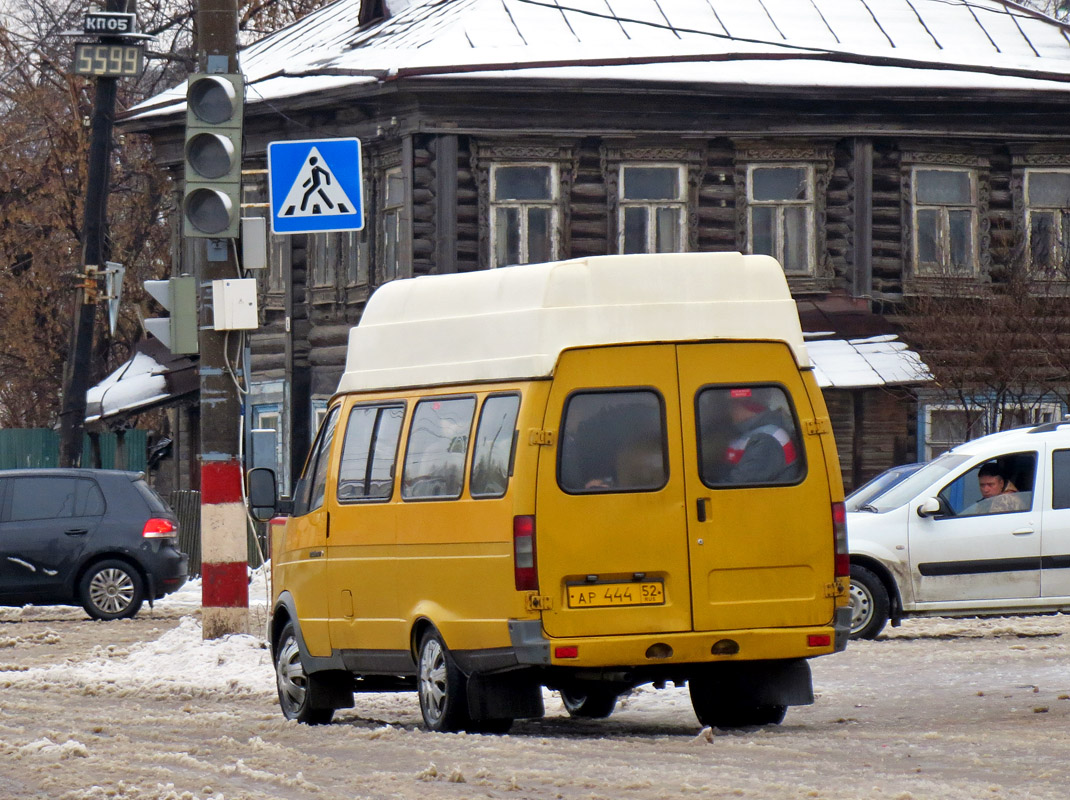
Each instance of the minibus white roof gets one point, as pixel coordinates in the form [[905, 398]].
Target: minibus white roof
[[513, 323]]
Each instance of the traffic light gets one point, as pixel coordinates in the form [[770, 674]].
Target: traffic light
[[179, 296], [211, 206]]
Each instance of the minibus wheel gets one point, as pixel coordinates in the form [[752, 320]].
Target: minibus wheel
[[441, 683], [714, 712], [297, 689], [594, 703]]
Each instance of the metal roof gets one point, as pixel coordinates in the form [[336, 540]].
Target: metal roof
[[978, 44]]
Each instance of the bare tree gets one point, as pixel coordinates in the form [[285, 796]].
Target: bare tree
[[999, 349], [43, 156]]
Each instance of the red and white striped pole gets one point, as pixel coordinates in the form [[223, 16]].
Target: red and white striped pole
[[224, 553]]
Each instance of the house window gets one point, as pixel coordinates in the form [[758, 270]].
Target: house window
[[279, 263], [355, 257], [318, 411], [652, 209], [524, 213], [267, 405], [949, 425], [325, 252], [1047, 220], [392, 221], [945, 220], [780, 214]]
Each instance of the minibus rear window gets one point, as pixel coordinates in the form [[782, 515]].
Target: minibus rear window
[[613, 442], [492, 455], [748, 436], [438, 444], [368, 453]]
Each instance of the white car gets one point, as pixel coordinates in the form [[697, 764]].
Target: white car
[[932, 545]]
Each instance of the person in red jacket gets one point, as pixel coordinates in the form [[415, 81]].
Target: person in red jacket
[[764, 451]]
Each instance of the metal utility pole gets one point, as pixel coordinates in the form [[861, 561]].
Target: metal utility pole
[[94, 253], [211, 208]]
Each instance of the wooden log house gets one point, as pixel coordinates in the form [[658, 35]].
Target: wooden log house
[[877, 148]]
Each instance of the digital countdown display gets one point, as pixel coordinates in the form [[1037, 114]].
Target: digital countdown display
[[109, 60]]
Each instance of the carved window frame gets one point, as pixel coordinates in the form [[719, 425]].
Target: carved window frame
[[559, 154], [916, 280], [819, 158], [614, 157], [780, 205], [553, 202], [391, 213], [1022, 165]]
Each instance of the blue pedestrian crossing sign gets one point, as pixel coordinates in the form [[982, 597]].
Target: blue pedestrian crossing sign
[[315, 186]]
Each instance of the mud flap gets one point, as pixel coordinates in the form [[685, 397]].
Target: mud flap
[[331, 689], [504, 696]]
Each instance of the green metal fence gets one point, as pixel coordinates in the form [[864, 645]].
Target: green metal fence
[[26, 448]]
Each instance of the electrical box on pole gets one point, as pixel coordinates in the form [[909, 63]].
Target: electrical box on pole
[[178, 333], [211, 206]]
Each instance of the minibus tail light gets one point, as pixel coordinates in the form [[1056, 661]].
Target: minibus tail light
[[524, 554], [839, 535]]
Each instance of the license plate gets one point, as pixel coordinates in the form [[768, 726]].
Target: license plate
[[600, 595]]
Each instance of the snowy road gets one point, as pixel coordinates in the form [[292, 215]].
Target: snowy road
[[144, 709]]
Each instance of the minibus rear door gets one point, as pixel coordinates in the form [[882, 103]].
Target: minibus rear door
[[760, 542], [610, 528]]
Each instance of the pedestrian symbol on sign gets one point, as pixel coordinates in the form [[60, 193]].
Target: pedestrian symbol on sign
[[315, 191], [314, 186]]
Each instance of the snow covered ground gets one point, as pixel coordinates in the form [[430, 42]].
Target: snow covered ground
[[145, 709]]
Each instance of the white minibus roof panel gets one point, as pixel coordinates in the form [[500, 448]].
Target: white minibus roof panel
[[513, 323]]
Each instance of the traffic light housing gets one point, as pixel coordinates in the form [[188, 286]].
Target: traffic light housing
[[178, 333], [211, 206]]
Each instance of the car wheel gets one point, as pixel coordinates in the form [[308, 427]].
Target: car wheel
[[297, 689], [111, 590], [714, 710], [869, 603], [442, 696], [594, 703]]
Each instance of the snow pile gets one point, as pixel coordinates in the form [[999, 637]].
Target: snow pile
[[178, 664]]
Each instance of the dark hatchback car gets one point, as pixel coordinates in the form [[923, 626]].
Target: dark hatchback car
[[101, 539]]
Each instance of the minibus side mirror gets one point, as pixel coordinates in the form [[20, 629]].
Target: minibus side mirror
[[929, 507], [263, 495]]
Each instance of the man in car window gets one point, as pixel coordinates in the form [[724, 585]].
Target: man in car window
[[763, 451], [998, 494]]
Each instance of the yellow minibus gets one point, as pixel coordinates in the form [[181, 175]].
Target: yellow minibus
[[583, 476]]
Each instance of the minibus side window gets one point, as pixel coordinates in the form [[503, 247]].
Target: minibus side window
[[495, 441], [368, 453], [613, 441], [313, 484], [748, 436], [438, 445]]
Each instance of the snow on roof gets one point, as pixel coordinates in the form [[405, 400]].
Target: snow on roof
[[513, 323], [151, 376], [136, 383], [858, 363], [979, 44]]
